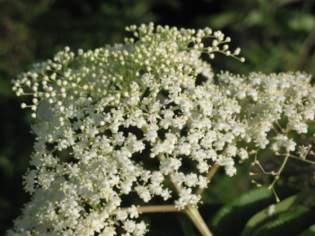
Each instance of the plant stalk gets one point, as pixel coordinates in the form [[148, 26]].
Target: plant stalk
[[213, 170], [157, 209], [192, 211], [198, 221]]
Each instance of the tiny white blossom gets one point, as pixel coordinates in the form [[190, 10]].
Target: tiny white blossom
[[102, 115]]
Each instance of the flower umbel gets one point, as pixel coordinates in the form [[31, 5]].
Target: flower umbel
[[104, 116]]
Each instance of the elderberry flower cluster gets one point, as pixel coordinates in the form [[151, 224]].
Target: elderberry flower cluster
[[131, 118]]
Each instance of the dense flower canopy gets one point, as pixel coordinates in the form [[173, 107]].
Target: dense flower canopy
[[130, 119]]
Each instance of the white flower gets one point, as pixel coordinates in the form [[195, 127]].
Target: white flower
[[243, 154], [184, 149], [283, 142], [186, 197], [103, 113], [169, 165]]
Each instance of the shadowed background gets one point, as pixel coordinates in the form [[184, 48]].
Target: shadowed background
[[275, 35]]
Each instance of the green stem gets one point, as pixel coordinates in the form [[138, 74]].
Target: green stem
[[303, 160], [192, 211], [198, 221], [279, 171], [213, 170], [157, 209]]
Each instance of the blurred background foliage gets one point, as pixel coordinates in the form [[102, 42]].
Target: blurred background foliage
[[275, 35]]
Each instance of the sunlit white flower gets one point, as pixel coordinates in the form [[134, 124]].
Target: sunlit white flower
[[104, 114]]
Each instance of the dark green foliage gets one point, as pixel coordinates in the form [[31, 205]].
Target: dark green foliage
[[260, 217], [290, 222], [232, 217], [292, 214], [251, 215], [309, 232], [221, 191]]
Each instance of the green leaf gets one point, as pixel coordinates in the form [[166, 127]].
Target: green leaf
[[290, 217], [231, 218], [264, 214], [290, 222], [309, 232]]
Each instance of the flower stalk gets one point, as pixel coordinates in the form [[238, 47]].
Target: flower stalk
[[157, 209], [196, 218], [213, 170]]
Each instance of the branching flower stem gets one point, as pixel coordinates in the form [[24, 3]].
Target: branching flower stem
[[303, 160], [190, 210], [278, 173], [196, 218], [193, 213], [157, 209], [213, 170]]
